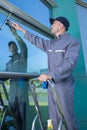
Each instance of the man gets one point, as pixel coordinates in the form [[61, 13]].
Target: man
[[18, 87], [62, 54]]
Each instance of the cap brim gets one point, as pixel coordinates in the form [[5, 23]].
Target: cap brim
[[51, 20]]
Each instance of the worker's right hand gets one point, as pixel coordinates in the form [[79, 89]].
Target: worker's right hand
[[15, 25]]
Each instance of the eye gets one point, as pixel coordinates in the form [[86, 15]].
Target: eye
[[54, 22]]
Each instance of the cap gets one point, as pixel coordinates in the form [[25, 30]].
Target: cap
[[12, 42], [61, 19]]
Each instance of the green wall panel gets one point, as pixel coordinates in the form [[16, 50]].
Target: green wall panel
[[80, 102], [67, 8]]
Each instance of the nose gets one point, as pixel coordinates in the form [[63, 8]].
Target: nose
[[51, 26]]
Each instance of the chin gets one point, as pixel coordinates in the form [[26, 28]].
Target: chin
[[52, 32]]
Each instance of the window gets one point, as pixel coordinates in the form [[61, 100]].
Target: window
[[81, 11], [37, 60]]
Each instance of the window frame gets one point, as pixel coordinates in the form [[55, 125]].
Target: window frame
[[49, 3], [82, 3], [9, 9]]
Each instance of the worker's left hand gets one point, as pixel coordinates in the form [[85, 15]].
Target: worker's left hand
[[44, 77]]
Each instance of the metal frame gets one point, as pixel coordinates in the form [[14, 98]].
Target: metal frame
[[38, 116], [80, 2], [5, 108], [49, 3], [16, 75], [62, 121]]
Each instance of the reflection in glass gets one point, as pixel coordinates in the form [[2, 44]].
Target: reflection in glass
[[17, 61], [37, 60]]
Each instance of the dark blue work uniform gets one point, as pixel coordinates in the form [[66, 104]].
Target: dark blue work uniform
[[19, 87], [62, 57]]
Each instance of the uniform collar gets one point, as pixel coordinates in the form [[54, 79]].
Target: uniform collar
[[61, 36], [13, 54]]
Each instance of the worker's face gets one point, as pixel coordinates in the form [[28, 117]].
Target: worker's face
[[56, 27], [13, 48]]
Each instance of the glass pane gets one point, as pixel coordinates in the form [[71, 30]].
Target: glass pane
[[34, 8], [36, 64], [37, 60], [84, 1], [81, 12]]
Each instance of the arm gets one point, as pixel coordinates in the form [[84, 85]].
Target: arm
[[21, 43], [35, 40]]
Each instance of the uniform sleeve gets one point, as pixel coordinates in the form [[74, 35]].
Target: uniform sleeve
[[37, 41], [23, 47], [65, 69]]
